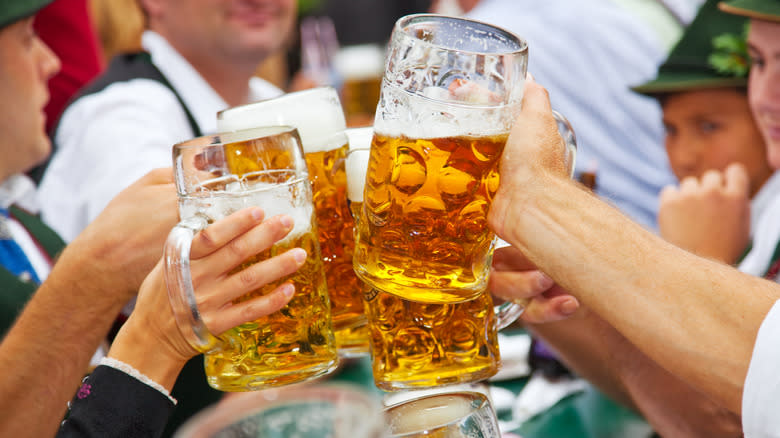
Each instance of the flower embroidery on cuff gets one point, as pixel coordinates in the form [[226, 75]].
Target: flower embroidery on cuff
[[84, 391]]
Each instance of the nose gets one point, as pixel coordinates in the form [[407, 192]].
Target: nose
[[50, 64], [684, 155]]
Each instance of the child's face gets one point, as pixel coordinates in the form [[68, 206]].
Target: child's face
[[710, 129]]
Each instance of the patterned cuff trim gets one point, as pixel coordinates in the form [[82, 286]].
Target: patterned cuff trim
[[129, 370]]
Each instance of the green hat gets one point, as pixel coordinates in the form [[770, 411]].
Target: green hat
[[15, 10], [711, 53], [768, 10]]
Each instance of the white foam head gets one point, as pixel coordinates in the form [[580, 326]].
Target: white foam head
[[363, 61], [360, 138], [357, 166], [316, 113]]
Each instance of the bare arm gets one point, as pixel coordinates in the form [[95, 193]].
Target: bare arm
[[695, 317], [600, 354], [47, 352], [597, 352]]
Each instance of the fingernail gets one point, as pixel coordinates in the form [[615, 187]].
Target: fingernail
[[257, 213], [299, 254], [570, 306], [544, 281], [287, 290], [286, 221]]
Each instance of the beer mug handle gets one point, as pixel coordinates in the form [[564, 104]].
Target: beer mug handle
[[569, 140], [178, 280], [507, 313]]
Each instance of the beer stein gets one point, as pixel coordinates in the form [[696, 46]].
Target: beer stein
[[451, 90], [418, 345], [216, 176], [335, 411], [453, 415], [318, 116]]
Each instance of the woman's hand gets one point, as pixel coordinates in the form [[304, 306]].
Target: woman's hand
[[150, 340]]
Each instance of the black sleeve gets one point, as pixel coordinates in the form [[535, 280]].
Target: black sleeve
[[111, 403]]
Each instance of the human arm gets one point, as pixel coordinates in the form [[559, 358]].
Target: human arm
[[596, 351], [48, 350], [709, 216], [150, 341], [694, 317]]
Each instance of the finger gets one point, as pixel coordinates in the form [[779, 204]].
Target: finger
[[736, 179], [250, 310], [261, 274], [510, 258], [251, 243], [543, 309], [222, 232], [668, 194], [712, 180], [512, 285], [536, 99], [689, 184]]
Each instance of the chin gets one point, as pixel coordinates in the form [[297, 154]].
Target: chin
[[773, 151]]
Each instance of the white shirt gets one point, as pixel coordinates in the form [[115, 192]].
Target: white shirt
[[109, 139], [761, 394], [588, 54], [764, 227]]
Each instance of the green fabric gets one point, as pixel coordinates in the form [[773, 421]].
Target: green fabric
[[759, 9], [692, 62], [15, 293], [14, 10]]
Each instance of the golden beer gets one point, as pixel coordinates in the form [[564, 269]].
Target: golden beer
[[417, 345], [319, 119], [295, 343], [423, 233]]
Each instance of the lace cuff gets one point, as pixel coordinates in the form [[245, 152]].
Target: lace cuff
[[129, 370]]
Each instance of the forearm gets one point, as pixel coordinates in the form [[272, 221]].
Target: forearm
[[695, 317], [596, 351], [47, 352]]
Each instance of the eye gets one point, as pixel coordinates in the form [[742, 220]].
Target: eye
[[708, 127], [756, 61]]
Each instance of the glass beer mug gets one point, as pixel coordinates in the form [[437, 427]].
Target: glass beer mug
[[216, 176], [318, 116], [452, 415], [452, 89]]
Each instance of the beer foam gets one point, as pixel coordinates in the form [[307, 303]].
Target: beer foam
[[315, 113], [360, 138], [435, 115], [364, 61], [274, 199], [430, 413], [357, 166]]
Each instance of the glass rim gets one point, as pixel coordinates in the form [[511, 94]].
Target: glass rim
[[246, 404], [228, 137], [402, 25]]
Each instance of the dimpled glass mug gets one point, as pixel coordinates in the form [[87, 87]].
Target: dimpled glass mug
[[319, 118], [216, 176], [452, 89]]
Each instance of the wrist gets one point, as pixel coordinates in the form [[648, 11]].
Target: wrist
[[147, 354]]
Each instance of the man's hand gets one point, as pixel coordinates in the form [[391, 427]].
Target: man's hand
[[709, 216], [119, 248], [514, 279]]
